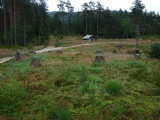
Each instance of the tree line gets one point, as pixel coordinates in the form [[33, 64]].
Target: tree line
[[102, 22], [25, 21]]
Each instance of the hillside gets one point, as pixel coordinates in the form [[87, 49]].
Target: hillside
[[52, 13]]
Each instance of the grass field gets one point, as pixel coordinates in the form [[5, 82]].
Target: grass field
[[70, 86]]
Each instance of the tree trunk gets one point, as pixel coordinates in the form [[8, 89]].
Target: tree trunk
[[86, 23], [137, 36], [11, 23], [15, 34], [5, 24], [90, 25], [24, 25], [69, 26], [97, 26], [40, 30]]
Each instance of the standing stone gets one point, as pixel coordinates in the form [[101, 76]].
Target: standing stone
[[18, 56], [35, 61], [137, 56], [100, 58]]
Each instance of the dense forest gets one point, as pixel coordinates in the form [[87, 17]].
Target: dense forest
[[25, 21]]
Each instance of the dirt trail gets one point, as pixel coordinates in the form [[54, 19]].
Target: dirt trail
[[2, 60], [50, 48]]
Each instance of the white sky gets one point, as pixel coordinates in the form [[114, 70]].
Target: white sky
[[150, 5]]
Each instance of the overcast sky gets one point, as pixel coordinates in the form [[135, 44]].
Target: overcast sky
[[151, 5]]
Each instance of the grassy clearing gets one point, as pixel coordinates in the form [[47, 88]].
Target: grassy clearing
[[71, 87]]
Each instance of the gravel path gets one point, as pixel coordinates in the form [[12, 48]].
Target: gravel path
[[50, 48]]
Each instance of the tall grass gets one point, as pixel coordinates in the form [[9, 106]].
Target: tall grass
[[22, 67], [114, 87], [60, 113]]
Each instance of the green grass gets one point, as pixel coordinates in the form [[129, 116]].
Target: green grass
[[71, 86], [12, 95], [60, 113], [114, 87]]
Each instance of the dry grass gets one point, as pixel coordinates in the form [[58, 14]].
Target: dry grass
[[4, 52]]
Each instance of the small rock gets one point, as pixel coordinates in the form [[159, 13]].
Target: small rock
[[59, 52], [35, 61], [137, 56], [100, 58]]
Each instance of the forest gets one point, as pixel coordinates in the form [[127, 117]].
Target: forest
[[28, 21]]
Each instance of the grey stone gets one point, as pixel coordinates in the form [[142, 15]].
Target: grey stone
[[35, 61], [137, 56], [100, 58], [59, 52], [18, 56]]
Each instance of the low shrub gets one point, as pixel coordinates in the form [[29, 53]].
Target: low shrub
[[117, 109], [60, 113], [30, 46], [89, 87], [154, 51], [82, 72], [12, 95], [114, 87]]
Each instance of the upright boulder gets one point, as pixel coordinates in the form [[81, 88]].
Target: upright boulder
[[35, 61], [100, 58], [137, 54], [18, 56]]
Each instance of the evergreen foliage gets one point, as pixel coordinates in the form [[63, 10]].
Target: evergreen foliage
[[27, 22], [23, 22], [155, 50]]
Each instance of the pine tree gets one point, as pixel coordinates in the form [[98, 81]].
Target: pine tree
[[85, 10], [137, 12]]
